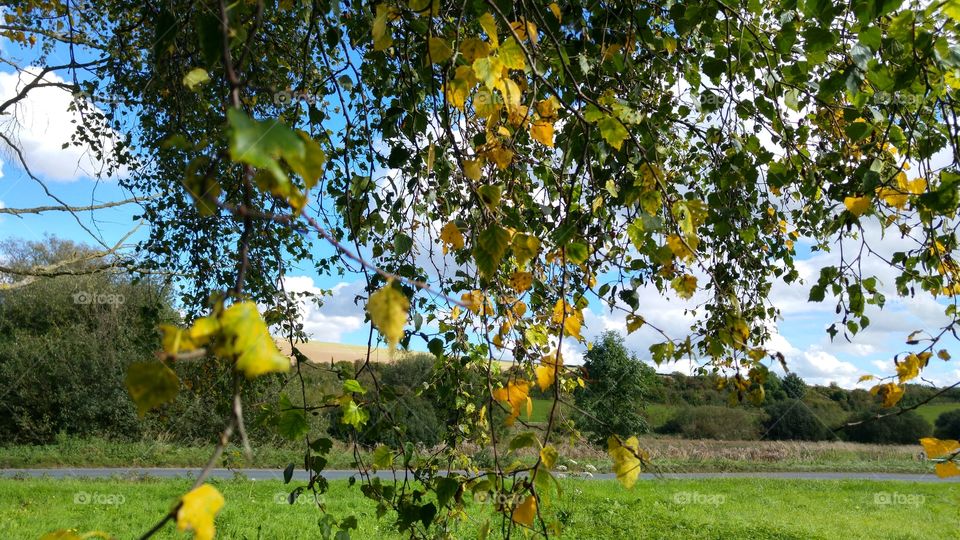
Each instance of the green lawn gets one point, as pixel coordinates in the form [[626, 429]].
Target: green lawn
[[931, 411], [721, 509]]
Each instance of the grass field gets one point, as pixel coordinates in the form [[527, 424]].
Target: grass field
[[721, 509], [668, 455], [931, 411]]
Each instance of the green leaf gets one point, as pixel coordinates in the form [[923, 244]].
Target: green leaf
[[382, 457], [291, 423], [195, 77], [490, 248], [577, 252], [353, 415], [490, 195], [445, 489], [151, 384], [524, 440], [612, 131], [352, 385]]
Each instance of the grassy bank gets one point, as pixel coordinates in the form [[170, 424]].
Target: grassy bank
[[668, 455], [756, 509]]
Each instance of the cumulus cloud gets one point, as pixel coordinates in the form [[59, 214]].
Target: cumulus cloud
[[41, 123], [337, 315]]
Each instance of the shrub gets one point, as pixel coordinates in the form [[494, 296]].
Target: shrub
[[618, 384], [794, 387], [714, 422], [792, 419], [65, 361], [948, 425], [905, 428]]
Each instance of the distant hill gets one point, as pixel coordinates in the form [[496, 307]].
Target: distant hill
[[322, 352]]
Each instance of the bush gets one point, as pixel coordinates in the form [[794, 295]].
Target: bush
[[905, 428], [618, 384], [793, 420], [793, 386], [65, 361], [714, 422], [404, 415], [948, 425]]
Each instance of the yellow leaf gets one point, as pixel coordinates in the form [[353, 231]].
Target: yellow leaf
[[865, 378], [542, 131], [459, 87], [555, 9], [382, 38], [490, 27], [512, 55], [546, 372], [514, 394], [175, 339], [893, 197], [489, 71], [685, 285], [245, 337], [451, 236], [472, 168], [525, 247], [440, 52], [473, 48], [521, 281], [547, 108], [908, 368], [935, 448], [512, 96], [388, 309], [572, 324], [549, 455], [943, 355], [634, 322], [626, 459], [890, 392], [525, 512], [501, 156], [857, 205], [486, 103], [197, 511], [473, 301], [679, 248], [946, 470]]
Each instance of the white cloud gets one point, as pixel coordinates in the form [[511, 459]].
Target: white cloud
[[41, 124], [814, 365], [337, 315]]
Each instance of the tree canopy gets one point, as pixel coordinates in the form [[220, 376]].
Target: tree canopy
[[494, 167]]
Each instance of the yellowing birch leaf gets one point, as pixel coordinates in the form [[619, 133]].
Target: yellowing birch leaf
[[198, 508], [388, 309], [525, 512]]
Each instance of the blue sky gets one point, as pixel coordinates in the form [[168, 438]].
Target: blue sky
[[43, 126]]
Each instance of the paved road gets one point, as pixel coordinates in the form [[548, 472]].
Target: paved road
[[276, 474]]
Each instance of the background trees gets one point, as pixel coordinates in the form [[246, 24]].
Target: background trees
[[618, 384]]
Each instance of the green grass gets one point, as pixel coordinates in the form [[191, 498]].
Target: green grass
[[727, 509], [931, 411], [669, 455]]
